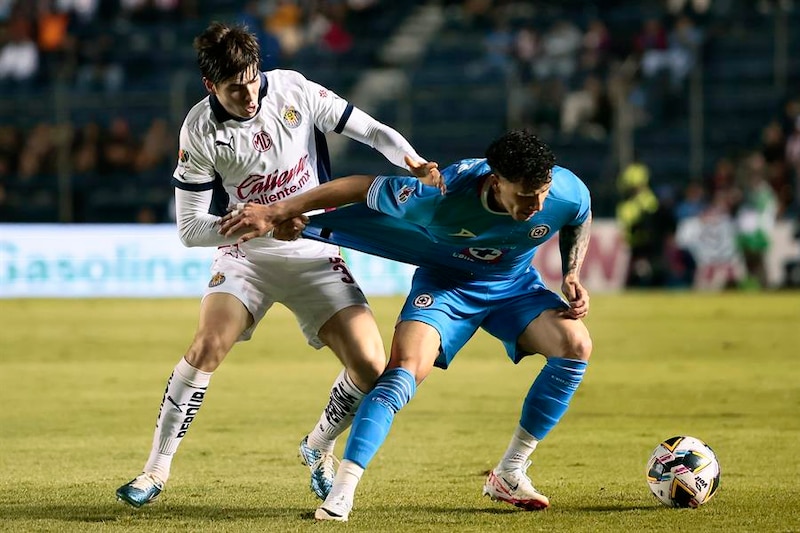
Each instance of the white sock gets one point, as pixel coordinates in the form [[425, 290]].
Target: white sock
[[342, 405], [344, 484], [186, 389], [519, 449]]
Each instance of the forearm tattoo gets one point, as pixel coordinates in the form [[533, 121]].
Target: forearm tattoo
[[573, 241]]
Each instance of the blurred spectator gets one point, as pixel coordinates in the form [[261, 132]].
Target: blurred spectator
[[327, 30], [270, 45], [19, 56], [711, 240], [587, 111], [146, 215], [755, 220], [118, 148], [98, 66], [596, 48], [722, 188], [673, 54], [284, 22], [679, 6], [693, 202], [636, 216], [86, 148], [793, 160], [560, 46], [526, 49], [498, 46], [38, 153], [155, 147], [52, 37], [773, 152], [685, 41]]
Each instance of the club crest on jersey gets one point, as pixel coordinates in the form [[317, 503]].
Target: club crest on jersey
[[291, 117], [217, 279], [486, 255], [537, 232], [423, 300], [262, 141], [404, 194], [183, 156]]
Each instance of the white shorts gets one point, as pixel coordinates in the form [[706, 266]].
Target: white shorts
[[314, 286]]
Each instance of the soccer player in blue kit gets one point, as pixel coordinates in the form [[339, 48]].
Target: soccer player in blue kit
[[474, 245]]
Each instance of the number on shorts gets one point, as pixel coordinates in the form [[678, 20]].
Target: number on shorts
[[337, 263]]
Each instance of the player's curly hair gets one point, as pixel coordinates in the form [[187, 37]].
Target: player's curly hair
[[225, 51], [521, 157]]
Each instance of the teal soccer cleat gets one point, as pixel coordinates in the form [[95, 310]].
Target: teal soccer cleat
[[322, 467], [143, 489]]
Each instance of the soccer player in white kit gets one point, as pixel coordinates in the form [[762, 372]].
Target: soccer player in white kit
[[258, 137]]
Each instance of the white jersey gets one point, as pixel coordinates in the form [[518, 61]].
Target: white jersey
[[276, 154]]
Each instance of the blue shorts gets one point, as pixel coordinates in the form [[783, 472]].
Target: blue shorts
[[456, 308]]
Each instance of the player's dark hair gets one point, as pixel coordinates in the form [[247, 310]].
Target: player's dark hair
[[521, 157], [224, 51]]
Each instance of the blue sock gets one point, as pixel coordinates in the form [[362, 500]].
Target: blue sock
[[549, 396], [374, 417]]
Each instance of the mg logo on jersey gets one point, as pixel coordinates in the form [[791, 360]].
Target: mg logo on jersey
[[539, 231], [423, 300], [291, 117], [404, 194], [262, 141]]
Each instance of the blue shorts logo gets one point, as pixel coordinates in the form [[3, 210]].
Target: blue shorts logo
[[423, 300]]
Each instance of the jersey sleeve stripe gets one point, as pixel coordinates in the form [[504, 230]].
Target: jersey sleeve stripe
[[374, 191], [194, 187], [345, 116]]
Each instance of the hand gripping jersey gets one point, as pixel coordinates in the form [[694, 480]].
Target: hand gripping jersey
[[407, 221], [276, 154]]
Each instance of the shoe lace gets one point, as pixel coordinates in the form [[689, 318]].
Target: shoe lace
[[327, 462], [519, 475], [145, 481], [339, 502]]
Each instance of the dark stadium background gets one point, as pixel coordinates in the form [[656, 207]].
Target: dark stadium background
[[672, 106]]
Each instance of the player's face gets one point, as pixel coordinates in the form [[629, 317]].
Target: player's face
[[239, 94], [520, 203]]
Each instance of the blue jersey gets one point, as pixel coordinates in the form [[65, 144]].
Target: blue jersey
[[457, 232]]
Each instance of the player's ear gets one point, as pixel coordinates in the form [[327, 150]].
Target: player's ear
[[209, 85]]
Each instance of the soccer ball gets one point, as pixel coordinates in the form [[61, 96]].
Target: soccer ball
[[683, 472]]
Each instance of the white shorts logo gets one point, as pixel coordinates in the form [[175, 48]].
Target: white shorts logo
[[423, 300]]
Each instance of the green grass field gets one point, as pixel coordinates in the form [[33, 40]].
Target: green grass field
[[81, 382]]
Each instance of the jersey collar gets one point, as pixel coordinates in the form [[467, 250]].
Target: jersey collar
[[222, 115], [486, 189]]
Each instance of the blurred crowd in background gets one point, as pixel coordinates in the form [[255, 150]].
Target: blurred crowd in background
[[566, 68]]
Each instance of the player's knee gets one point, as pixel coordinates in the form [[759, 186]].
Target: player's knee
[[577, 344], [365, 373], [207, 352]]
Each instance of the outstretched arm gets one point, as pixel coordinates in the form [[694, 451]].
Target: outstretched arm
[[573, 241], [394, 147], [261, 219]]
